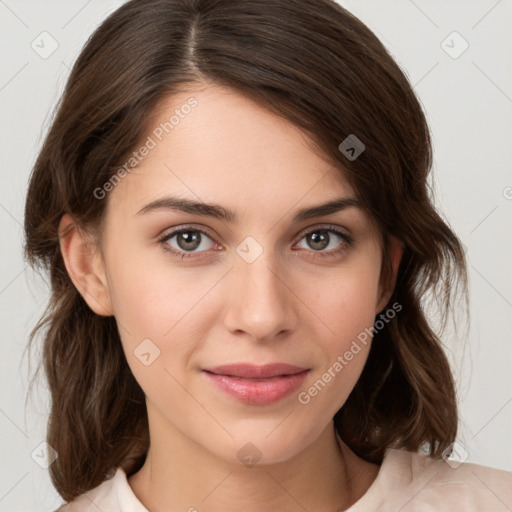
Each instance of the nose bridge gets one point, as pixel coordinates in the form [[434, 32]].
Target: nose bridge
[[260, 304]]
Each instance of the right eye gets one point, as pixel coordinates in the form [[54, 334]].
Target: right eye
[[185, 242]]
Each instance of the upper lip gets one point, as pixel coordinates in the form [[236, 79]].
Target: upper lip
[[251, 371]]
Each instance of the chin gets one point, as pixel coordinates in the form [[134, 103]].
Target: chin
[[260, 448]]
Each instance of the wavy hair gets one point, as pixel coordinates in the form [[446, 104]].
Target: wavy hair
[[318, 66]]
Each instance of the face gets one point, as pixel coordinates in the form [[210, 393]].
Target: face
[[258, 285]]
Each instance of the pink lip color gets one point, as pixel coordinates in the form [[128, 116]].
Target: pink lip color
[[257, 385]]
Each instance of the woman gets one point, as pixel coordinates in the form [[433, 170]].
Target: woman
[[232, 204]]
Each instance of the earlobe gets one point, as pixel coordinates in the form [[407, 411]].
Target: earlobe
[[387, 285], [85, 266]]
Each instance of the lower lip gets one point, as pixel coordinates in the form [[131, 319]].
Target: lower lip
[[258, 391]]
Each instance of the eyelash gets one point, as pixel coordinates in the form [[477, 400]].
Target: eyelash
[[347, 241]]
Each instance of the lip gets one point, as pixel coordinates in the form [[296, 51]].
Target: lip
[[257, 385], [252, 371]]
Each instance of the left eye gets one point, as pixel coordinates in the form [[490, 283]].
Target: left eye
[[322, 238]]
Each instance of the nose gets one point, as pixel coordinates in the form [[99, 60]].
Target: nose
[[261, 303]]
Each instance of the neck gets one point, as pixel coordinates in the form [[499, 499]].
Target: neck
[[180, 475]]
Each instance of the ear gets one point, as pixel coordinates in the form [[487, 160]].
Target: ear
[[388, 276], [85, 265]]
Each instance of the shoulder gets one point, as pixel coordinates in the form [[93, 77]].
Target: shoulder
[[416, 482], [114, 495]]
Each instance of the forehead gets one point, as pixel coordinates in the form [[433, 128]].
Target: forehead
[[214, 144]]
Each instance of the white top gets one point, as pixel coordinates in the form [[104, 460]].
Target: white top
[[407, 481]]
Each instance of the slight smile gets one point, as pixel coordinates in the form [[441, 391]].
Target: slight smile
[[257, 385]]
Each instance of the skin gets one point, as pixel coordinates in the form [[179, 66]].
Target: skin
[[292, 304]]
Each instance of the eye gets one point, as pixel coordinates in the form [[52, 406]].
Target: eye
[[327, 241], [186, 240]]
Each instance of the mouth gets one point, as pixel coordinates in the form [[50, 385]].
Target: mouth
[[257, 385]]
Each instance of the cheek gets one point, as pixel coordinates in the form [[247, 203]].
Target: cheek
[[168, 305], [344, 300], [345, 307], [150, 295]]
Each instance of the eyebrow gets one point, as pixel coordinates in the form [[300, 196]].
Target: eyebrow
[[221, 213]]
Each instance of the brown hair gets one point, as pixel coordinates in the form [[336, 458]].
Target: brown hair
[[318, 66]]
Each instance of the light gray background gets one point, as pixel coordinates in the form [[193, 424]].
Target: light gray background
[[468, 100]]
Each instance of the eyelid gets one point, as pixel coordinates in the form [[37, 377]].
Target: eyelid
[[318, 227], [184, 227]]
